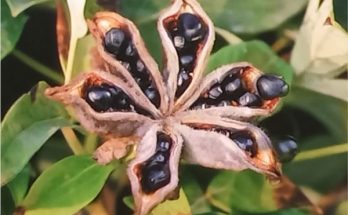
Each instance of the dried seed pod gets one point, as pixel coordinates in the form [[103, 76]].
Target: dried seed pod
[[206, 118]]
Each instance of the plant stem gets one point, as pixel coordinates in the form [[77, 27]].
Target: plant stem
[[72, 141], [322, 152], [90, 142], [37, 66], [71, 55]]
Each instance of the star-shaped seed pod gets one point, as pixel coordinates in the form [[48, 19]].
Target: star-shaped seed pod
[[203, 120]]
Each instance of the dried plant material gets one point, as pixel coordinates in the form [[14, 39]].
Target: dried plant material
[[205, 119]]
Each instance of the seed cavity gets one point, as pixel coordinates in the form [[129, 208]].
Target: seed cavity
[[244, 139], [119, 44], [187, 32], [230, 91], [155, 172]]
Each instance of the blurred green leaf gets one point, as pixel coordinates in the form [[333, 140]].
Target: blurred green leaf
[[142, 11], [28, 124], [66, 187], [11, 29], [247, 17], [291, 211], [251, 16], [256, 52], [331, 112], [19, 185], [173, 207], [152, 40], [322, 174], [245, 191], [18, 6], [168, 207], [195, 195]]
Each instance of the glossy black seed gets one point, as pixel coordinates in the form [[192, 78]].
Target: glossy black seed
[[154, 177], [215, 92], [286, 149], [130, 50], [152, 94], [184, 80], [114, 40], [140, 66], [271, 86], [191, 27], [163, 142], [99, 98], [179, 42], [143, 80], [186, 60], [224, 103], [250, 100], [121, 102], [245, 142]]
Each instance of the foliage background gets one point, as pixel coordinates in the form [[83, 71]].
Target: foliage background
[[35, 156]]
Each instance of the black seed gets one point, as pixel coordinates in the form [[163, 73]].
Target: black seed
[[154, 177], [245, 142], [215, 92], [152, 94], [179, 42], [130, 50], [191, 27], [186, 60], [201, 103], [287, 149], [224, 103], [271, 86], [184, 80], [163, 142], [121, 102], [99, 98], [140, 66], [250, 100], [143, 81], [157, 159], [114, 40]]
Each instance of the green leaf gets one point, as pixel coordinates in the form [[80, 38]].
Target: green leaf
[[11, 29], [256, 52], [248, 16], [169, 207], [245, 191], [19, 185], [18, 6], [251, 16], [142, 11], [321, 174], [31, 120], [195, 195], [66, 187], [173, 207], [331, 112], [291, 211]]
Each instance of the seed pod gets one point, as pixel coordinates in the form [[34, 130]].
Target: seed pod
[[124, 97]]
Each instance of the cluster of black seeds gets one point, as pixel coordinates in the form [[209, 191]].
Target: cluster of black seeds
[[243, 139], [109, 98], [155, 173], [186, 32], [120, 45], [232, 91]]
